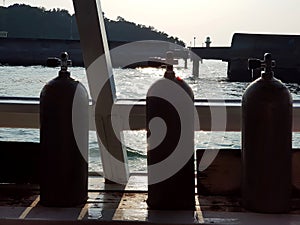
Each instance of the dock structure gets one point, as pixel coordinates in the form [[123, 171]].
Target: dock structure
[[215, 53], [284, 48]]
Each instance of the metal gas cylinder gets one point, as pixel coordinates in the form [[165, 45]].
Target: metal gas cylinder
[[266, 142], [170, 139], [64, 140]]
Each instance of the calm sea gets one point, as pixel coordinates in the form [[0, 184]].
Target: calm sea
[[133, 84]]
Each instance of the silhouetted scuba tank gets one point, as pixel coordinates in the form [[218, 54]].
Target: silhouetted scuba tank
[[266, 142], [170, 139], [64, 140]]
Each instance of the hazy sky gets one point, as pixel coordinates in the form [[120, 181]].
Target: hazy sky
[[187, 19]]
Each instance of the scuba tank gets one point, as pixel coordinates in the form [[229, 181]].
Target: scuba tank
[[63, 159], [266, 142], [170, 139]]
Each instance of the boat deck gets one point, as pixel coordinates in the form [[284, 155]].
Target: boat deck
[[117, 204]]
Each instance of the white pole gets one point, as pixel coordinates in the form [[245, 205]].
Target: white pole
[[98, 66]]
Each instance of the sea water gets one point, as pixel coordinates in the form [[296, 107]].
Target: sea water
[[133, 84]]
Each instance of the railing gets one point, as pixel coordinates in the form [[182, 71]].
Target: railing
[[22, 112]]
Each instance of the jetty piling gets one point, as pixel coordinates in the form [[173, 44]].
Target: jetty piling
[[196, 66]]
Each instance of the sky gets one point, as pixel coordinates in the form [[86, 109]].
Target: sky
[[194, 20]]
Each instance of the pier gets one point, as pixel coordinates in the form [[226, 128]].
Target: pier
[[284, 48]]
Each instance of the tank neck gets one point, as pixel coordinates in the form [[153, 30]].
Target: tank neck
[[169, 75], [64, 74], [268, 64], [267, 75]]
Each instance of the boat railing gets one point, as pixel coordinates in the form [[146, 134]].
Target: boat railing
[[23, 112]]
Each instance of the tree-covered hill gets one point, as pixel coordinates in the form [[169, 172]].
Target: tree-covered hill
[[24, 21]]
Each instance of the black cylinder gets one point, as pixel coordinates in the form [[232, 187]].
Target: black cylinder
[[64, 142], [171, 175], [266, 145]]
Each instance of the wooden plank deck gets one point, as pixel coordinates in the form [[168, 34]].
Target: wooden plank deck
[[106, 203], [118, 204]]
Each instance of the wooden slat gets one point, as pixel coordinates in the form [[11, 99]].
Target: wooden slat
[[28, 209]]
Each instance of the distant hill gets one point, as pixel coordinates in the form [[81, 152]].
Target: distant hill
[[24, 21]]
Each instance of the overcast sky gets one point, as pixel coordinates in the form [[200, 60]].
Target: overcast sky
[[187, 19]]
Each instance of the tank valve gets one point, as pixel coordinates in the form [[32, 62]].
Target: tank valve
[[65, 62], [267, 64]]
